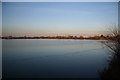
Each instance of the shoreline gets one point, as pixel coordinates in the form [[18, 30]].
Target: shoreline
[[63, 37], [54, 39]]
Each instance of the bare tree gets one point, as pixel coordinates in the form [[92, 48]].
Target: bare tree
[[113, 70]]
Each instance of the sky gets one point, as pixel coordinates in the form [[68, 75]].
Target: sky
[[57, 18], [0, 18], [60, 0]]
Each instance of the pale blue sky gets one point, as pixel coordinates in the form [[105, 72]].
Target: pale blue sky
[[44, 18], [60, 0], [0, 19]]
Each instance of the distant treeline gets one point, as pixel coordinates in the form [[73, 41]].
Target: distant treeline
[[101, 37]]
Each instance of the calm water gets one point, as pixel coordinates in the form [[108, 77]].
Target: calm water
[[53, 58], [0, 58]]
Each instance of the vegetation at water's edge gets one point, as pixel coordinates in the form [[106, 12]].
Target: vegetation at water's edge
[[112, 72]]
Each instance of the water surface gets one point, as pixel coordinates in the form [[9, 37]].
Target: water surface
[[53, 58], [0, 58]]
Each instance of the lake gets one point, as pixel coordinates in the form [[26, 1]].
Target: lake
[[48, 58], [0, 58]]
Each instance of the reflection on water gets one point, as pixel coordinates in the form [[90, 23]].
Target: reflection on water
[[112, 71], [53, 58]]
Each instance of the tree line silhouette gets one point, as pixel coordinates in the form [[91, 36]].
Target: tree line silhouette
[[101, 37]]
